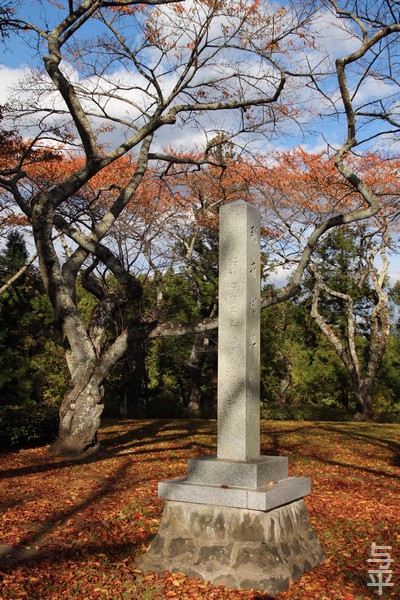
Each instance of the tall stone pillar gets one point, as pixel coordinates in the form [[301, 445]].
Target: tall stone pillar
[[239, 333]]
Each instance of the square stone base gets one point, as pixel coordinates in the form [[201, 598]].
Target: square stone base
[[237, 548], [258, 484], [250, 474], [263, 498]]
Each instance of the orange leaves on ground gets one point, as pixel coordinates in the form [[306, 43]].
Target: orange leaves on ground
[[77, 530]]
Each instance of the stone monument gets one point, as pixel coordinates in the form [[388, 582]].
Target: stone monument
[[237, 519]]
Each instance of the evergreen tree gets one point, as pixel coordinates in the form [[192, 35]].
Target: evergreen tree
[[31, 358]]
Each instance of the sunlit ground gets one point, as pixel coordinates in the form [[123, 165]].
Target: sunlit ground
[[77, 530]]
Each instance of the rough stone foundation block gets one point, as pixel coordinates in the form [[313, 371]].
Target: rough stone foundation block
[[235, 547], [236, 473]]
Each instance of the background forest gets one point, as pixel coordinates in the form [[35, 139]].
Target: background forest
[[301, 375]]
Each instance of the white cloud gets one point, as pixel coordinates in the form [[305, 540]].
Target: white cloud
[[315, 147], [333, 38], [394, 266], [373, 88], [9, 78], [279, 277]]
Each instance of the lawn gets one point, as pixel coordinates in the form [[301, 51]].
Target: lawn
[[77, 530]]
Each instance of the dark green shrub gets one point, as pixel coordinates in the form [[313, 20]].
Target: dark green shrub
[[28, 425], [273, 412], [387, 417]]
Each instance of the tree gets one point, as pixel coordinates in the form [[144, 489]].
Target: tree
[[31, 362], [349, 304], [9, 141], [189, 61], [175, 55], [305, 190]]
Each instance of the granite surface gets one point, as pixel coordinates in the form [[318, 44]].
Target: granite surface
[[239, 332], [247, 474]]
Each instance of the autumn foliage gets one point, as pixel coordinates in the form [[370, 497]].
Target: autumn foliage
[[77, 530], [302, 186]]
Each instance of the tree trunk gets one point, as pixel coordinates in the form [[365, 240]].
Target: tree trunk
[[133, 381], [286, 379], [363, 399], [196, 362], [344, 397], [123, 407], [80, 414], [194, 399]]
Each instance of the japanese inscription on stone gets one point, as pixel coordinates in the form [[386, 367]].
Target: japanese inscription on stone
[[239, 333]]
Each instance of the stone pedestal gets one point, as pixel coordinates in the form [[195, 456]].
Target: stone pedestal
[[247, 474], [237, 548]]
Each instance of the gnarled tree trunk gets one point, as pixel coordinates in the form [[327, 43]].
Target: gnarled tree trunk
[[286, 380], [363, 401], [135, 373], [80, 415]]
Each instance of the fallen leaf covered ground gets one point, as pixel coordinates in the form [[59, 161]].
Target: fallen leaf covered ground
[[77, 529]]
